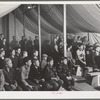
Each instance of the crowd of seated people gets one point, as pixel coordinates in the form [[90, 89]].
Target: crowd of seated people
[[21, 70], [80, 53]]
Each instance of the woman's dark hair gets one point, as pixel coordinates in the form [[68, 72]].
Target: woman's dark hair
[[35, 60], [49, 59], [69, 45], [26, 59], [79, 44], [63, 58], [1, 50], [34, 51], [18, 47], [10, 51], [78, 37]]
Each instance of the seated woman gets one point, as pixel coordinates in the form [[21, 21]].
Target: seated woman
[[35, 55], [2, 81], [65, 74], [97, 58], [81, 60], [44, 61], [90, 56], [50, 75], [71, 61], [9, 75]]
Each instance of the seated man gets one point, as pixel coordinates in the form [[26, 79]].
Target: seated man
[[2, 56], [13, 58], [35, 74], [2, 81], [50, 75], [9, 75], [24, 54], [65, 74], [23, 78]]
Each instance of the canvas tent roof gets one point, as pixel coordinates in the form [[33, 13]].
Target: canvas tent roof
[[80, 18]]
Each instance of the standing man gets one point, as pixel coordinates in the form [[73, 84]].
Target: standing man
[[13, 43], [29, 45], [23, 43], [36, 43]]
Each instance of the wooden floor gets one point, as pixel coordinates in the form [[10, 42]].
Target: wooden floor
[[80, 87]]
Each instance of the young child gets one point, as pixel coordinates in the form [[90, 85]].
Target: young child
[[65, 74]]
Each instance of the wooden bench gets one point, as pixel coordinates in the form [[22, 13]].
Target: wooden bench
[[94, 73], [78, 78], [95, 82], [83, 87]]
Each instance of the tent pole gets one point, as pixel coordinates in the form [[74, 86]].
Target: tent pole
[[88, 36], [64, 30], [24, 21], [39, 30], [15, 23]]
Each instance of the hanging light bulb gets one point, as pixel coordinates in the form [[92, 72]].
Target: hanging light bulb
[[29, 7]]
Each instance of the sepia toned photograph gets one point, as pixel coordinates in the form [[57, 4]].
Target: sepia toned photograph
[[49, 47]]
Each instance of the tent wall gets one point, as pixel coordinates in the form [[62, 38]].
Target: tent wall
[[19, 30], [93, 37], [5, 28], [51, 23], [0, 25]]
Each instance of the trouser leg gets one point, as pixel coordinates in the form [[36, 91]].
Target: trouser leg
[[18, 88], [8, 88], [35, 86], [54, 84]]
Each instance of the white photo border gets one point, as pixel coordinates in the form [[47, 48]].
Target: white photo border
[[51, 94]]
